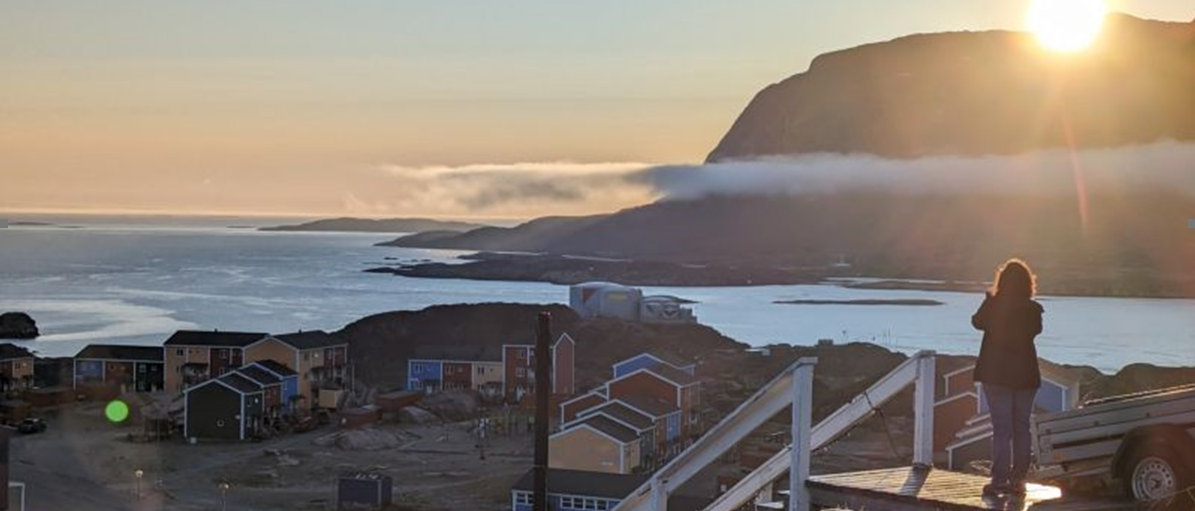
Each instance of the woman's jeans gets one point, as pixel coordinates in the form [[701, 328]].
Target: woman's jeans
[[1011, 449]]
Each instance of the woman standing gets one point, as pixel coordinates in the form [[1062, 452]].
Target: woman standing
[[1010, 320]]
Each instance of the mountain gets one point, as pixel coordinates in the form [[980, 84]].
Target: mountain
[[978, 93], [394, 225], [969, 94]]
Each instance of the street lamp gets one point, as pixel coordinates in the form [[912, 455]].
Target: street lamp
[[138, 473], [224, 487]]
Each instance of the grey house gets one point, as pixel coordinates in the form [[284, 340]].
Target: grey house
[[227, 408]]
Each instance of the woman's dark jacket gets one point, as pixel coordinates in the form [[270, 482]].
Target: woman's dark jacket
[[1008, 357]]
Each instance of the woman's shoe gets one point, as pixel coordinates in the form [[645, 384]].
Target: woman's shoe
[[994, 491]]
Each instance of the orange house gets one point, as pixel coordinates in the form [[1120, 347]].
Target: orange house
[[193, 357], [319, 358]]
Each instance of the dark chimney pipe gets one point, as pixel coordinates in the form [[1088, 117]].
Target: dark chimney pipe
[[543, 391]]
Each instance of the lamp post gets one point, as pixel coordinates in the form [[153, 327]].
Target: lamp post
[[224, 487], [137, 474]]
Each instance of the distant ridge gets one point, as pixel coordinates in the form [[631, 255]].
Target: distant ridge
[[387, 225], [978, 93]]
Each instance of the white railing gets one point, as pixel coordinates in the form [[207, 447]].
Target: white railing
[[794, 386]]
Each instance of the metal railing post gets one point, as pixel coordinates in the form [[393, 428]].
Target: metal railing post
[[923, 411], [802, 433]]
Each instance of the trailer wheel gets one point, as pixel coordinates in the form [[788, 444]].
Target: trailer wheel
[[1155, 473]]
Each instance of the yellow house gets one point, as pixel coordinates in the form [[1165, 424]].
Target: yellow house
[[194, 356], [319, 358], [487, 377], [597, 444], [16, 366]]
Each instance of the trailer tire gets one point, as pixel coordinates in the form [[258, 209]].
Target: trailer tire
[[1154, 472]]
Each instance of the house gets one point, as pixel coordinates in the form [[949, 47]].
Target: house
[[16, 367], [132, 368], [193, 356], [273, 404], [518, 362], [436, 368], [319, 358], [576, 490], [971, 440], [651, 360], [669, 384], [288, 378], [596, 443], [641, 423], [229, 407], [667, 418], [572, 407]]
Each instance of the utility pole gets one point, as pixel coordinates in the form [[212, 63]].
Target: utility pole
[[543, 391]]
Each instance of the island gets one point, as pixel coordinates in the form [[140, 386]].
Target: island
[[385, 225], [567, 270]]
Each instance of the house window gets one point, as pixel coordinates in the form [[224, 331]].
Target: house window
[[178, 352], [520, 372], [523, 498]]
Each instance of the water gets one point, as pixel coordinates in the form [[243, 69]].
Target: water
[[138, 282]]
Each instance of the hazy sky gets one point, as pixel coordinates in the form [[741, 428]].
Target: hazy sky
[[317, 107]]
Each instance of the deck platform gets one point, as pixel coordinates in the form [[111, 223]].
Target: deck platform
[[918, 489]]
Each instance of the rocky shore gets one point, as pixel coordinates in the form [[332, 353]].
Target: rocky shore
[[566, 270]]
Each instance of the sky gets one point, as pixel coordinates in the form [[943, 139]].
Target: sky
[[316, 108]]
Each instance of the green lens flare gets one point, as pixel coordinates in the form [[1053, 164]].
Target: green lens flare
[[117, 411]]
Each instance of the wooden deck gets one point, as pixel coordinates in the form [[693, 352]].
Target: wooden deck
[[916, 489]]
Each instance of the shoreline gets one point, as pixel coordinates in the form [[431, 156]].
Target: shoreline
[[568, 270]]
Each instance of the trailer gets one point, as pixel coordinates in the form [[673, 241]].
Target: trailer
[[1144, 441]]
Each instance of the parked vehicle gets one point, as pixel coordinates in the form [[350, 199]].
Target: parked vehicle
[[30, 426], [1145, 441]]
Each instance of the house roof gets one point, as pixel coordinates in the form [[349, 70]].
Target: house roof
[[310, 340], [240, 383], [259, 375], [672, 374], [669, 358], [583, 483], [458, 353], [214, 338], [9, 351], [652, 406], [609, 427], [622, 413], [122, 352], [275, 367]]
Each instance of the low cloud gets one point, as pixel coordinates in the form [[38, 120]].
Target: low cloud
[[548, 188], [1165, 165], [526, 189]]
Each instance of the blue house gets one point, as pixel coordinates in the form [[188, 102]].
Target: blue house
[[424, 375], [650, 361], [290, 381]]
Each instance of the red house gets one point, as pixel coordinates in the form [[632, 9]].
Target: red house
[[518, 364], [457, 375], [668, 384], [571, 408]]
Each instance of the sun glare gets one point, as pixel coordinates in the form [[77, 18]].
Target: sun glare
[[1066, 25]]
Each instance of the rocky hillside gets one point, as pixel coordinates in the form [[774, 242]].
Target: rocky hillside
[[381, 340], [977, 93]]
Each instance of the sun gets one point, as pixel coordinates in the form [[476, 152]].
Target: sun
[[1066, 25]]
